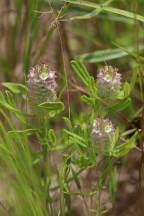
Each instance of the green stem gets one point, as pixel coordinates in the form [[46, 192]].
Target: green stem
[[46, 167]]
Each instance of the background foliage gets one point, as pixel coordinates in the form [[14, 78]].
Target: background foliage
[[49, 166]]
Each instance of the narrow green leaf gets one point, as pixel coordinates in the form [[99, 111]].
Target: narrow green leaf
[[2, 99], [92, 86], [88, 100], [10, 98], [94, 12], [55, 106], [88, 15], [130, 52], [16, 88], [26, 132], [102, 55], [82, 194], [108, 9], [8, 106], [113, 184], [81, 71], [79, 140], [76, 179], [128, 132], [68, 123], [74, 135], [125, 147], [137, 113]]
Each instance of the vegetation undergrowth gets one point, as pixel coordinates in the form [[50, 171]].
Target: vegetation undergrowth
[[64, 126]]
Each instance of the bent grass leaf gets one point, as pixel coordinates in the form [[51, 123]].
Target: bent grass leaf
[[108, 9], [130, 52], [94, 12], [116, 18], [88, 15]]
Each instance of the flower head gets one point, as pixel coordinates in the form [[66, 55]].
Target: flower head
[[108, 82], [41, 85], [102, 133]]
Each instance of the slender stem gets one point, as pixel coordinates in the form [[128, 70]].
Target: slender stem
[[46, 166]]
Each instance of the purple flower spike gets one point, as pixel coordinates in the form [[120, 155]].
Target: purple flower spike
[[41, 86], [108, 83], [102, 134]]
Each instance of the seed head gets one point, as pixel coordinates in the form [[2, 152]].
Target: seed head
[[108, 83], [102, 134], [41, 86]]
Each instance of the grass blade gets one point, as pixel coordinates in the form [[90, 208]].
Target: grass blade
[[108, 9]]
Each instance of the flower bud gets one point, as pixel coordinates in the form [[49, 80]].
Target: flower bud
[[102, 134], [41, 86], [108, 83]]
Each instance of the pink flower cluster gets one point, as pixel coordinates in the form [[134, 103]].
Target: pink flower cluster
[[41, 85], [108, 82], [102, 133]]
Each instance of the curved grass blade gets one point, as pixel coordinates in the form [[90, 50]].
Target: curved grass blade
[[108, 9], [130, 52], [93, 13]]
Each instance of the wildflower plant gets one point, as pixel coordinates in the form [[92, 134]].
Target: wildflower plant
[[41, 86], [106, 95], [48, 164], [102, 134], [88, 137], [108, 83]]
